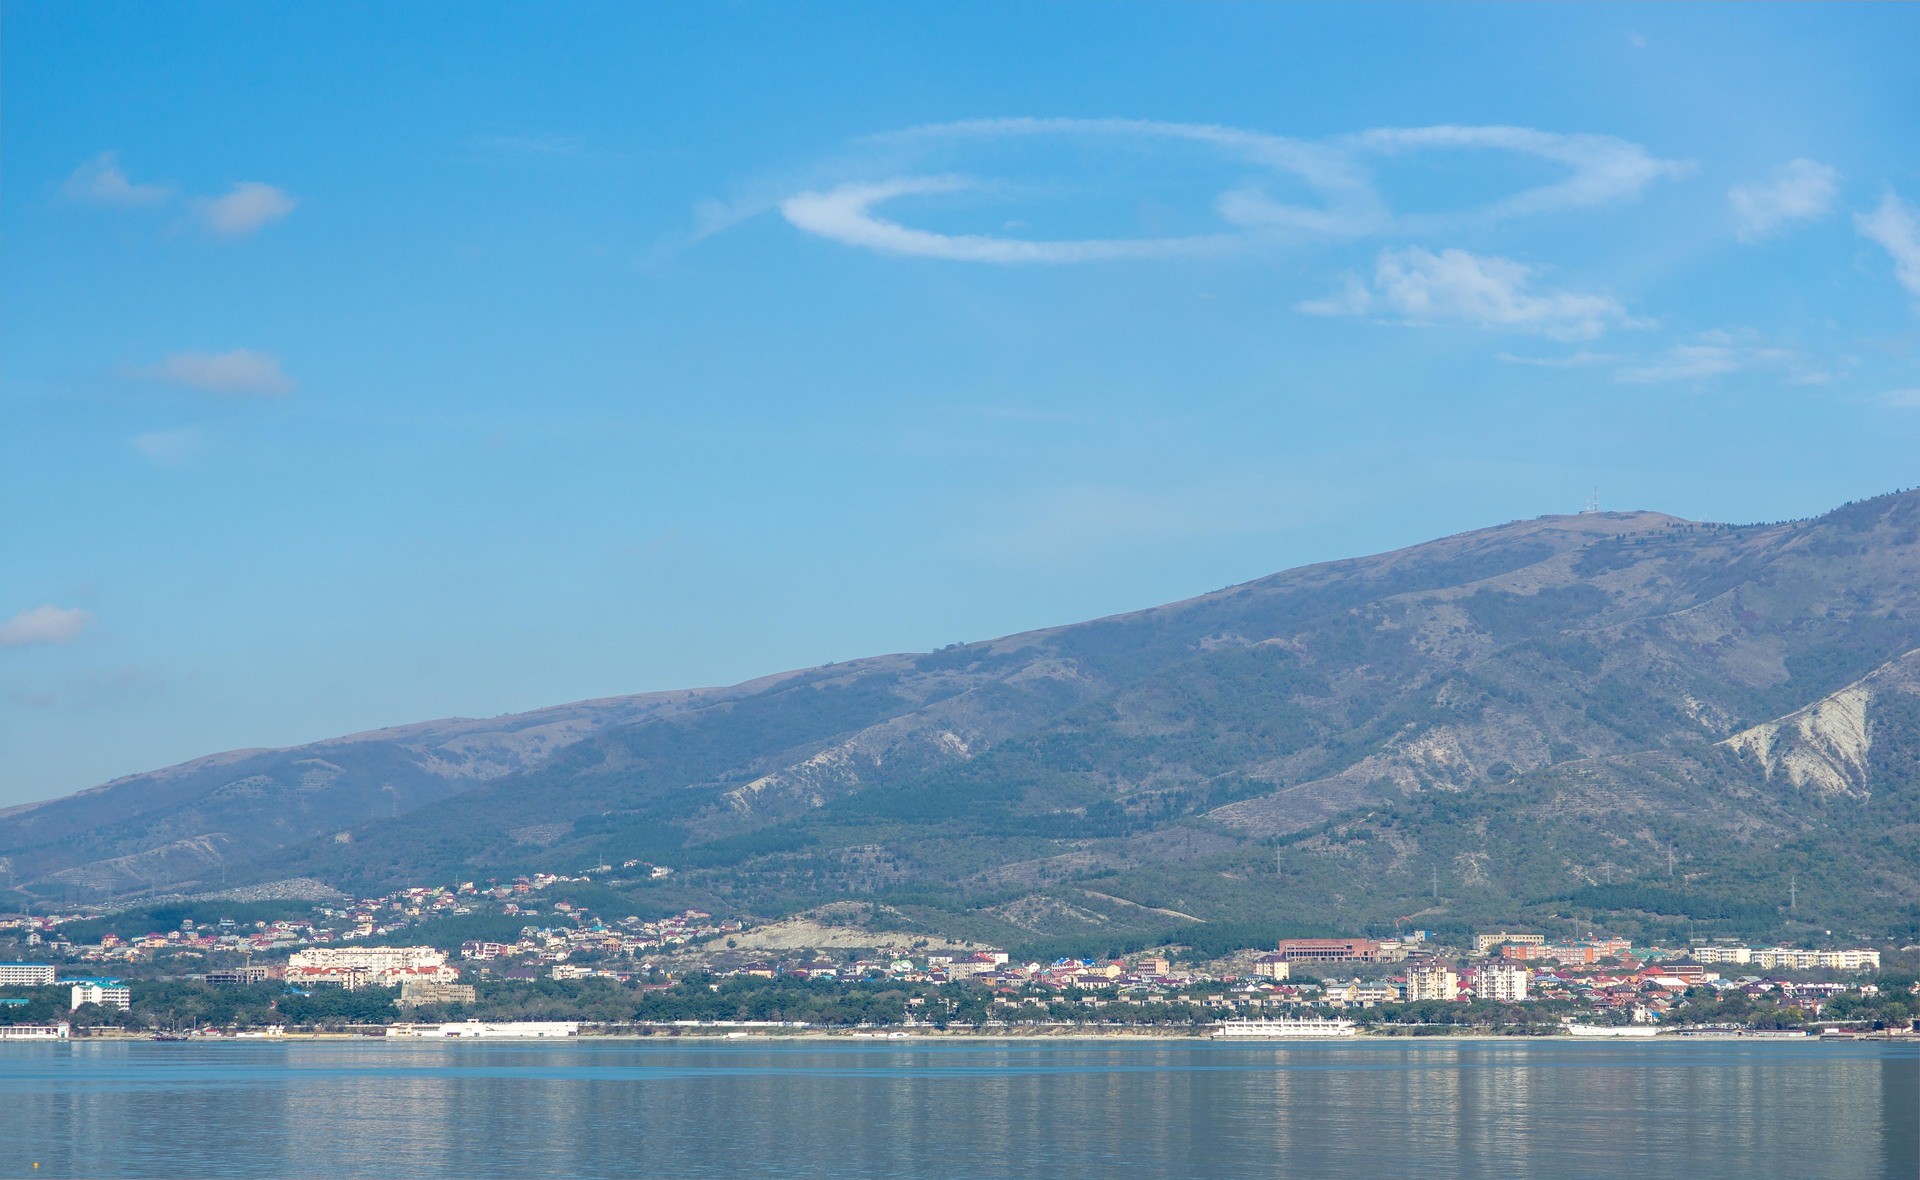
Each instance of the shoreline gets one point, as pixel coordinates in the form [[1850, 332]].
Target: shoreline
[[724, 1036]]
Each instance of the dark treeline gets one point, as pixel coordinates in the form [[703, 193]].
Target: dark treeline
[[186, 1004]]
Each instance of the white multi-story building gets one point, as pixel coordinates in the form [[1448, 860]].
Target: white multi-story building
[[1433, 982], [1776, 958], [110, 993], [26, 975], [1505, 982], [381, 966], [1854, 960]]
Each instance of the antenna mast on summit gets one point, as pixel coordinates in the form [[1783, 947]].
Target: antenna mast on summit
[[1593, 503]]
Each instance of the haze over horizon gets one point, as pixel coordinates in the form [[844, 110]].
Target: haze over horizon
[[364, 366]]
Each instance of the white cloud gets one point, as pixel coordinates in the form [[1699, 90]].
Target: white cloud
[[1901, 399], [100, 181], [172, 448], [1345, 202], [246, 208], [1798, 190], [44, 625], [1896, 226], [1418, 286], [1716, 354], [241, 371], [1602, 170], [845, 214]]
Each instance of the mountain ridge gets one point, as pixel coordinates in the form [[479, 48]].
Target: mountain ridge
[[1168, 745]]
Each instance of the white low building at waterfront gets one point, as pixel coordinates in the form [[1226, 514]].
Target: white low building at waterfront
[[1306, 1026], [488, 1030]]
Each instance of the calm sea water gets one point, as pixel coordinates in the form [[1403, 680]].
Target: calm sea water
[[1137, 1109]]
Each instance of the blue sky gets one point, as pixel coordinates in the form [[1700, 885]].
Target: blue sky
[[365, 364]]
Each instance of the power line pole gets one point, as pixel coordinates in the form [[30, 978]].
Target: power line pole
[[1793, 892]]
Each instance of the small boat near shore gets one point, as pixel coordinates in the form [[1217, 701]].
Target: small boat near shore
[[1308, 1026]]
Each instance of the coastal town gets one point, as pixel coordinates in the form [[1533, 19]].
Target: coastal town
[[552, 966]]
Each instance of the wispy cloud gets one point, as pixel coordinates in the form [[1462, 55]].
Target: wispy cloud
[[172, 448], [100, 181], [845, 214], [1895, 225], [1345, 201], [1419, 287], [245, 209], [1716, 354], [242, 210], [1348, 203], [1601, 170], [239, 372], [44, 625], [1901, 399], [1798, 190]]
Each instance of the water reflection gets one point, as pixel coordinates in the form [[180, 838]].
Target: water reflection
[[843, 1108]]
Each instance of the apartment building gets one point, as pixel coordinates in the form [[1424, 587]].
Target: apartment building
[[1502, 982], [110, 993], [238, 976], [1778, 958], [26, 975], [1328, 950], [1269, 967], [427, 991], [380, 966], [1433, 982]]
